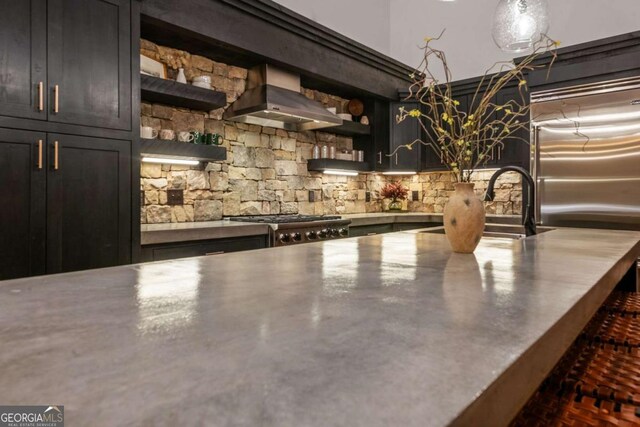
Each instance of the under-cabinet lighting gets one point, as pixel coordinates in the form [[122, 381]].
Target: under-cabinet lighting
[[399, 173], [170, 161], [339, 172]]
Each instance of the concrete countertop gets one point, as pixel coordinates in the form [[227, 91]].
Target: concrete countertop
[[416, 217], [391, 329], [188, 231]]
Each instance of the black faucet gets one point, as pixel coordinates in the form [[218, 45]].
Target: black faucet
[[528, 214]]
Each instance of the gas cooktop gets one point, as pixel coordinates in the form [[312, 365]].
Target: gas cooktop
[[284, 219]]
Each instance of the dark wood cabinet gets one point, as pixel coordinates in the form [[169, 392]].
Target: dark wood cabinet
[[67, 61], [177, 250], [23, 58], [433, 158], [376, 145], [515, 150], [88, 203], [68, 204], [404, 133], [371, 230], [89, 53], [22, 219], [66, 70], [387, 135]]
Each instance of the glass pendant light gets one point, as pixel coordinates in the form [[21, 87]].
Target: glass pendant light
[[519, 24]]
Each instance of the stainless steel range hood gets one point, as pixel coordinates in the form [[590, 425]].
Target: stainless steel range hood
[[273, 99]]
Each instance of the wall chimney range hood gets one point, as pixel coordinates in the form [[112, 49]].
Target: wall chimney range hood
[[273, 99]]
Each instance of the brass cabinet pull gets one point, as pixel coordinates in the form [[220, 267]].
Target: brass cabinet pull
[[56, 99], [39, 154], [40, 96], [379, 157], [214, 253], [499, 153], [396, 159], [55, 155]]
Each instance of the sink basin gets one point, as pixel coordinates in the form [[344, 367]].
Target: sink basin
[[501, 231]]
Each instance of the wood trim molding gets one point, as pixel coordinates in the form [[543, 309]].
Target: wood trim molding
[[291, 21], [606, 46], [250, 32]]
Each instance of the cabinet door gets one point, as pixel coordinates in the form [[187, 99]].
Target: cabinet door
[[516, 148], [378, 157], [434, 159], [88, 203], [23, 58], [491, 155], [370, 230], [203, 248], [22, 218], [404, 133], [90, 62]]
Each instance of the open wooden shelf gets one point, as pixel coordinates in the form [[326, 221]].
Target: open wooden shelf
[[348, 128], [168, 92], [183, 150], [319, 165]]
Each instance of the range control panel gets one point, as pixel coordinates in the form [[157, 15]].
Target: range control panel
[[288, 237]]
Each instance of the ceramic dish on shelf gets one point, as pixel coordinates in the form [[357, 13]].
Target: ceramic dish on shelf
[[346, 116], [203, 85]]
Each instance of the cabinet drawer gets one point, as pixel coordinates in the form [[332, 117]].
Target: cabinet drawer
[[367, 230], [206, 247], [402, 226]]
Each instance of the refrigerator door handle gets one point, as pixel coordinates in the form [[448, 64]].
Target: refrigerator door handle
[[535, 168]]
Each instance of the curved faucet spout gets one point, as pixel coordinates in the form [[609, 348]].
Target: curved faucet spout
[[528, 214]]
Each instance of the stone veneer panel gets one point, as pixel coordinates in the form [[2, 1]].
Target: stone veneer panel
[[266, 168]]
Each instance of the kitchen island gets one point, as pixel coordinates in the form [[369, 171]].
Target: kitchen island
[[383, 330]]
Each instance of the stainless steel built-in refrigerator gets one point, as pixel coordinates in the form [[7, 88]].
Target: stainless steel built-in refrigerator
[[586, 155]]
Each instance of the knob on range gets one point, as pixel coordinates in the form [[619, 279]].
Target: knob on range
[[284, 238], [343, 232], [323, 234], [296, 237], [311, 235]]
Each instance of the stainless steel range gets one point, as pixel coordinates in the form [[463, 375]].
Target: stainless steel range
[[297, 229]]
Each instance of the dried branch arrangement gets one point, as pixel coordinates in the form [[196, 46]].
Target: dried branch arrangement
[[463, 140]]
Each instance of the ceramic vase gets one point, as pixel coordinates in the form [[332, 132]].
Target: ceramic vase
[[181, 77], [464, 218], [395, 205]]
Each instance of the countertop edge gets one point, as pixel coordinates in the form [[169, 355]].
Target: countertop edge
[[505, 397], [155, 237], [212, 232], [413, 217]]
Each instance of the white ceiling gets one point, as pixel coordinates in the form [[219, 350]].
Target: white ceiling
[[366, 21], [397, 27]]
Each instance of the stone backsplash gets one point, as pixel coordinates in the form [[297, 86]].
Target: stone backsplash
[[266, 168], [434, 189]]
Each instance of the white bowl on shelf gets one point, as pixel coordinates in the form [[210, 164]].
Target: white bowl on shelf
[[203, 85], [206, 79]]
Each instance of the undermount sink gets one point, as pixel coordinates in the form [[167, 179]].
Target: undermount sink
[[502, 231]]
